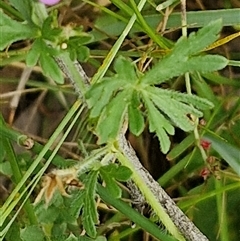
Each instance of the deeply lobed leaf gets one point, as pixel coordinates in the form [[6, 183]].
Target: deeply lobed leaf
[[182, 58], [131, 94]]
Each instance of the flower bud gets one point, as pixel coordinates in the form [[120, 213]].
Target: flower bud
[[205, 144]]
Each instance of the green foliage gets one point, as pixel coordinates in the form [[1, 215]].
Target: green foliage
[[113, 172], [229, 152], [46, 37], [49, 29], [41, 52], [134, 94], [183, 57], [126, 96], [32, 233], [24, 7], [12, 31], [90, 215]]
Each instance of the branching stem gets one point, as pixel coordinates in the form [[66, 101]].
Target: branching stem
[[153, 193]]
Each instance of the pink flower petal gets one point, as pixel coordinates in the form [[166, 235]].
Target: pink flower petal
[[49, 2]]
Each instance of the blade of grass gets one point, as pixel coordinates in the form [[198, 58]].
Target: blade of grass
[[162, 42], [179, 166], [108, 11], [230, 153], [10, 10], [17, 175], [108, 60], [222, 215], [30, 187], [218, 79], [181, 147], [38, 176], [133, 215], [203, 196], [195, 19], [10, 203]]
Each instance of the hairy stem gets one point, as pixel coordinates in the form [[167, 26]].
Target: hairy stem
[[152, 192]]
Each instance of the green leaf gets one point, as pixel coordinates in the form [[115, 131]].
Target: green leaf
[[100, 94], [58, 232], [13, 232], [125, 70], [5, 168], [48, 215], [90, 215], [166, 105], [205, 64], [111, 184], [182, 59], [177, 111], [12, 31], [44, 54], [101, 238], [34, 53], [111, 119], [176, 65], [31, 233], [159, 124], [230, 153], [85, 238], [48, 31], [72, 237], [113, 172], [198, 41], [136, 120], [83, 53], [50, 67], [77, 202], [198, 102], [24, 7]]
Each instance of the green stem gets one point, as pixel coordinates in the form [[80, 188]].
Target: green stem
[[150, 198]]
